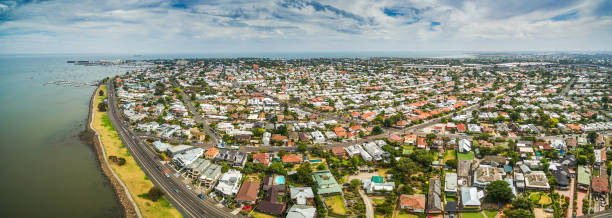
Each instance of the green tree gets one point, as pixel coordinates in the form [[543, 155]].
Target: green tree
[[452, 163], [277, 168], [304, 174], [102, 107], [224, 167], [522, 203], [101, 93], [499, 191], [155, 193], [302, 148], [377, 130], [354, 184], [518, 213], [592, 136], [258, 132]]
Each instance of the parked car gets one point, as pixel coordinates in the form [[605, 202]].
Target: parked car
[[167, 175], [188, 187], [201, 196], [176, 190]]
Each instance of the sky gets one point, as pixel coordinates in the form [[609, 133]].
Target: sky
[[179, 26]]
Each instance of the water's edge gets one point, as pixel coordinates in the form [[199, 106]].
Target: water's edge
[[90, 137]]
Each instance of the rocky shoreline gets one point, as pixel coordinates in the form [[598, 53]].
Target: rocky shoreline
[[122, 196]]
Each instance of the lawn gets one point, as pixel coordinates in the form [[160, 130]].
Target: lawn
[[403, 214], [545, 200], [382, 172], [450, 198], [261, 215], [465, 156], [130, 173], [491, 213], [450, 155], [472, 215], [335, 204], [378, 201]]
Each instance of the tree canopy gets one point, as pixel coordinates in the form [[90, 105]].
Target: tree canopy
[[499, 191]]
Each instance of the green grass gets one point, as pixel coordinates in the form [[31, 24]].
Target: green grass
[[378, 201], [451, 198], [450, 155], [335, 204], [535, 197], [472, 215], [491, 213], [465, 156], [261, 215]]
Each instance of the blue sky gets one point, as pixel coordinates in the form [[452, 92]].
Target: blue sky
[[179, 26]]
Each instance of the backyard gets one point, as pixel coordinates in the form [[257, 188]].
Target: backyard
[[335, 204], [465, 156]]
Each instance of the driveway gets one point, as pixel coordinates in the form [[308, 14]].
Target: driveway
[[581, 195], [569, 193], [368, 204]]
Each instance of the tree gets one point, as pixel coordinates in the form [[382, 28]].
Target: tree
[[302, 148], [304, 174], [452, 163], [224, 167], [499, 191], [258, 132], [423, 157], [102, 107], [522, 203], [518, 213], [377, 130], [355, 183], [101, 93], [592, 136], [277, 168], [155, 193]]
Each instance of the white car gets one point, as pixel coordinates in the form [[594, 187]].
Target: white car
[[188, 187]]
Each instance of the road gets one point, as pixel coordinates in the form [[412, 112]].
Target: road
[[186, 201], [197, 116], [368, 204]]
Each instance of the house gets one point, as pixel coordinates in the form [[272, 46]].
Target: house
[[229, 183], [561, 173], [584, 177], [469, 198], [210, 175], [187, 157], [600, 186], [248, 192], [160, 146], [302, 195], [292, 158], [461, 127], [451, 208], [272, 202], [326, 183], [486, 174], [339, 152], [211, 153], [536, 180], [262, 158], [434, 200], [450, 183], [375, 185], [301, 211], [421, 142], [464, 145], [493, 160], [413, 203]]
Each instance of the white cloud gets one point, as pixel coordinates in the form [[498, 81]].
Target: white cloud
[[156, 27]]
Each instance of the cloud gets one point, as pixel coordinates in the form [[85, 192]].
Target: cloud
[[176, 26]]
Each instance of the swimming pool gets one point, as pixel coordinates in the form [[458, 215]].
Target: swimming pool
[[280, 180], [316, 161]]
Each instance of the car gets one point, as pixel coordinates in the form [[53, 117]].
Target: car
[[201, 196], [603, 203], [159, 168], [176, 190], [188, 187], [167, 175]]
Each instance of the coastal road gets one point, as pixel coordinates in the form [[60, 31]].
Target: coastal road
[[186, 201]]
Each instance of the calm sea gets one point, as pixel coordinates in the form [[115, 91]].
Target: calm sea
[[46, 170]]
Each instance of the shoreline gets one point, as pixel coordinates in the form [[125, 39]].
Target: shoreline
[[130, 209]]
